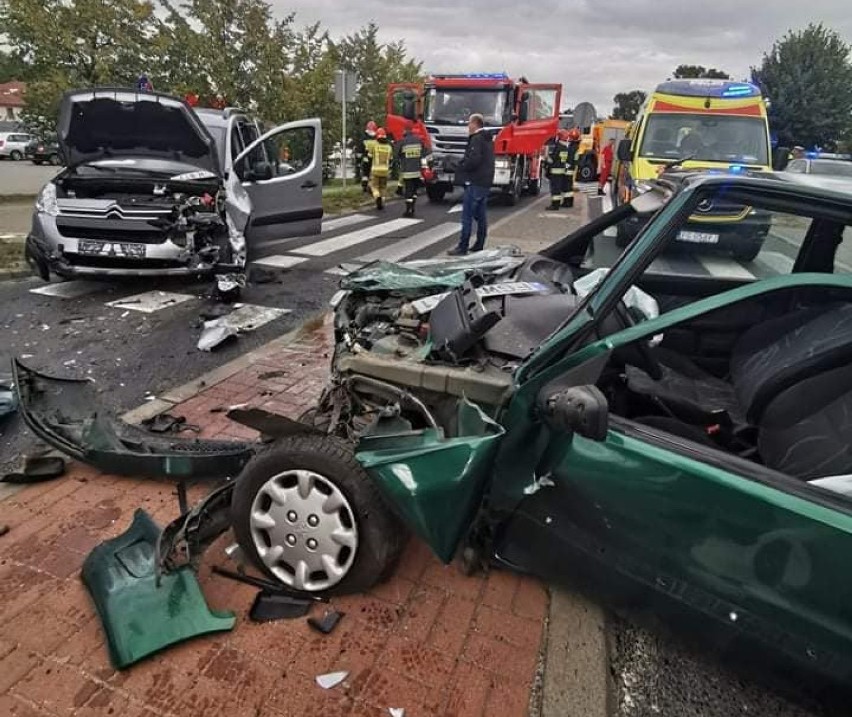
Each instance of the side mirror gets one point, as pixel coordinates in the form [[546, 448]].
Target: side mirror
[[623, 151], [780, 158], [259, 171], [409, 106], [581, 409], [524, 110]]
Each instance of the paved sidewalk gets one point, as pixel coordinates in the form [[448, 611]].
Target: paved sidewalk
[[430, 640]]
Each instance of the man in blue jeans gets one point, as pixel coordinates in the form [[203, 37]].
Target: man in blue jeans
[[475, 173]]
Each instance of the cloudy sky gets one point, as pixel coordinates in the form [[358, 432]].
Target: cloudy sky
[[595, 48]]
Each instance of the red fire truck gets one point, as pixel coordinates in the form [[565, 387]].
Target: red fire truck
[[521, 117]]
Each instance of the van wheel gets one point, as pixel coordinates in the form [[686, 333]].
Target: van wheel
[[308, 515], [15, 155], [586, 173], [54, 160]]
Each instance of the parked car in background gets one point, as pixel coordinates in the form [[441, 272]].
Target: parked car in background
[[44, 151], [13, 145], [823, 165]]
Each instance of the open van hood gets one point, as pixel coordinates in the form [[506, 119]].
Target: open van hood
[[111, 123]]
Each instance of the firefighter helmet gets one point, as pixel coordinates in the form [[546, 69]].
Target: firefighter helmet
[[381, 134], [573, 134], [563, 134]]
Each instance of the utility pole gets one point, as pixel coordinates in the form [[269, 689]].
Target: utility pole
[[345, 83]]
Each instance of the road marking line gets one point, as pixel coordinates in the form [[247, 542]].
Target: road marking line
[[279, 261], [68, 289], [330, 225], [725, 268], [345, 241], [776, 262], [455, 209], [413, 244], [150, 301]]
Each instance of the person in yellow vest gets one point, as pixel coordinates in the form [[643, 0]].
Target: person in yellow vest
[[381, 153]]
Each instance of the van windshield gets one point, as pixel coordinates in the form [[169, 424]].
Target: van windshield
[[711, 138]]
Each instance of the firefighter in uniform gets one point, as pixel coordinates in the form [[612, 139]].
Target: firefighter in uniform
[[411, 160], [367, 141], [560, 161], [381, 153]]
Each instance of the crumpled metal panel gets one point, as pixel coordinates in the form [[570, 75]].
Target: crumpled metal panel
[[435, 482]]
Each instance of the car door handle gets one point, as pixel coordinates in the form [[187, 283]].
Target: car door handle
[[309, 184]]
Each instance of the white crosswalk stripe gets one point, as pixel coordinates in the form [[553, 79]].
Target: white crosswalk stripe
[[413, 244], [347, 220], [724, 268], [346, 241], [455, 209], [150, 301], [280, 261], [68, 289]]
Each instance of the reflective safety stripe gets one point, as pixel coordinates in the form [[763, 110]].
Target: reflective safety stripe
[[410, 175], [558, 170]]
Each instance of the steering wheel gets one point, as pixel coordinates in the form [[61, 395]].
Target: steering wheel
[[642, 349]]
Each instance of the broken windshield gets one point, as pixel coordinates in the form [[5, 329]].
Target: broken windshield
[[455, 106]]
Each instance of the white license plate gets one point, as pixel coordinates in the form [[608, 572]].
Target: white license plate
[[698, 238], [91, 247]]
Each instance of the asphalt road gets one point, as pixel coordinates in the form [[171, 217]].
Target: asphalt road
[[132, 355], [24, 177]]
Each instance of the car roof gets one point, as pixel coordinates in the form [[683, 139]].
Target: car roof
[[217, 118]]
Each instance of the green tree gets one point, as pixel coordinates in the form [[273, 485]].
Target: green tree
[[627, 104], [76, 43], [376, 65], [807, 75], [12, 67], [699, 71]]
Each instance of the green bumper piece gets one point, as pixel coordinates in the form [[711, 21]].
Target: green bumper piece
[[139, 617]]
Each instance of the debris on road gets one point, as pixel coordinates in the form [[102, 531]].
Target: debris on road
[[8, 395], [327, 622], [215, 333], [332, 679], [3, 529], [141, 611], [241, 320], [269, 606], [65, 414], [167, 423], [41, 466]]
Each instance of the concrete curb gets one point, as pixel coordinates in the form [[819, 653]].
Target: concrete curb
[[576, 671]]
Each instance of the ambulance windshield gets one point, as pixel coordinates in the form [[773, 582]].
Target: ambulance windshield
[[709, 138]]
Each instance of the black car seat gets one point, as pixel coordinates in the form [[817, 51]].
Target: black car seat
[[767, 360], [805, 430]]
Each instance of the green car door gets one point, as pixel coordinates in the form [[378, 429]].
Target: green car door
[[691, 536]]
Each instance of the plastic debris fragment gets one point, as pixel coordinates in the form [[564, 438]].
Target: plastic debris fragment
[[331, 679]]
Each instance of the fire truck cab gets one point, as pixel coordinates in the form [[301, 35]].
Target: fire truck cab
[[521, 118]]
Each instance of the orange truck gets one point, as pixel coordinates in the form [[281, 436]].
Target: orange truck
[[520, 116]]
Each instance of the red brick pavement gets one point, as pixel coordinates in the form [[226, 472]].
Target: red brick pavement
[[430, 640]]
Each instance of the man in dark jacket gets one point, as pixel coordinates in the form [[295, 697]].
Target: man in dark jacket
[[476, 174]]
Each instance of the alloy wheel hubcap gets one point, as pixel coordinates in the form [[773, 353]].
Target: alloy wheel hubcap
[[304, 530]]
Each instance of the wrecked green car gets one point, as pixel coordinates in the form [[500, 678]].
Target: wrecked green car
[[670, 430]]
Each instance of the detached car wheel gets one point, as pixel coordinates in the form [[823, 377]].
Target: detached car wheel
[[309, 516]]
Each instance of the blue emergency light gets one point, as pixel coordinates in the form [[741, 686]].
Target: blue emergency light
[[812, 155], [736, 169], [738, 91], [475, 76]]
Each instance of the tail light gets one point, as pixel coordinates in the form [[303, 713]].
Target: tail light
[[2, 142]]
